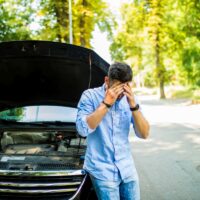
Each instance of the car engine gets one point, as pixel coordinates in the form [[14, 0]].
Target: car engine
[[41, 164]]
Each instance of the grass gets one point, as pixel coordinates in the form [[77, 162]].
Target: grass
[[182, 94], [172, 92], [186, 93]]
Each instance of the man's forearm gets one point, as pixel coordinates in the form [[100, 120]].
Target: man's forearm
[[141, 124], [95, 118]]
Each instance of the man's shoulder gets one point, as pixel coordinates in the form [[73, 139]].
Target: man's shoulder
[[91, 91]]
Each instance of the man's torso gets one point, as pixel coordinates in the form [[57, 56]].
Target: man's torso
[[108, 155]]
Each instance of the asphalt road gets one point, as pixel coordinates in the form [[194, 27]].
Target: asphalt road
[[168, 163]]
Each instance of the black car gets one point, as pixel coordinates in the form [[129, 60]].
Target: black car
[[41, 153]]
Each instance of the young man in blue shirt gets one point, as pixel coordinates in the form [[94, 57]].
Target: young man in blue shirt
[[104, 117]]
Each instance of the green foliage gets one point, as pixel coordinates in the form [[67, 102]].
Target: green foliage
[[14, 19], [127, 43], [191, 50], [160, 39], [12, 114], [191, 60], [182, 94], [87, 14], [186, 93], [54, 20], [149, 80], [20, 17]]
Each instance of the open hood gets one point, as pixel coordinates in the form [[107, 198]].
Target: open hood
[[47, 73]]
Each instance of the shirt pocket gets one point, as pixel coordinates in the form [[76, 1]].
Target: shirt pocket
[[124, 119]]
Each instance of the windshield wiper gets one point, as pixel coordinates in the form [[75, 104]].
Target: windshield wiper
[[8, 121], [57, 123], [4, 121], [40, 123]]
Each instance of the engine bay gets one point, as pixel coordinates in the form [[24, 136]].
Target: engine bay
[[41, 150]]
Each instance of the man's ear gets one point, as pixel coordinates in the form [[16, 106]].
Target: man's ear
[[106, 81], [130, 84]]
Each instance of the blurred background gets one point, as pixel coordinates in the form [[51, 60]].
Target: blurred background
[[160, 39]]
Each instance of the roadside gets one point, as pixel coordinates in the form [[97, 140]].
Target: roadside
[[174, 93], [168, 162]]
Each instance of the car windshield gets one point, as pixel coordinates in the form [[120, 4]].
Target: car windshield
[[40, 113]]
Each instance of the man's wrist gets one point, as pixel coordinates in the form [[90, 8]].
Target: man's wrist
[[106, 104], [132, 104]]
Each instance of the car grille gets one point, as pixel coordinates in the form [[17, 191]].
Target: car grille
[[40, 185]]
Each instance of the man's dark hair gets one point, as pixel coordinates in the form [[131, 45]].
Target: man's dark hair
[[121, 72]]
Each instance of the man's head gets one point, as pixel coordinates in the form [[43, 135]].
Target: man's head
[[119, 72]]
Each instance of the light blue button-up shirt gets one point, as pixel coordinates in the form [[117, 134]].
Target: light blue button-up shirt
[[108, 155]]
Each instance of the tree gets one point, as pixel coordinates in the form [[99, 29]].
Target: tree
[[86, 14], [153, 40], [191, 47], [14, 19], [129, 43], [20, 17], [141, 36], [156, 26], [12, 114]]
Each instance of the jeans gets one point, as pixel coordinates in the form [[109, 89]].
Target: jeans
[[116, 190]]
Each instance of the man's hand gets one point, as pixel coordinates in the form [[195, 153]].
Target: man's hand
[[111, 95], [141, 123], [130, 96], [113, 92]]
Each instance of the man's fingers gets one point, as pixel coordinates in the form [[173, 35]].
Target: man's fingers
[[127, 89], [115, 90], [130, 86], [127, 94], [118, 87], [119, 91], [115, 85]]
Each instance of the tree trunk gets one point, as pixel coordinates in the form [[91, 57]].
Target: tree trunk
[[162, 91], [159, 68], [61, 11], [82, 26], [58, 19]]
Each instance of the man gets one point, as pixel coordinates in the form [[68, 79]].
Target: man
[[104, 116]]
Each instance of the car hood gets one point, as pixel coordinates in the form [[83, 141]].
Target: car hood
[[47, 73]]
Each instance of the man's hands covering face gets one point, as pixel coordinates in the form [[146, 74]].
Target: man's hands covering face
[[113, 92], [116, 90]]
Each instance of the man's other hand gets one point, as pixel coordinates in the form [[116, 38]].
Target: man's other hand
[[130, 96]]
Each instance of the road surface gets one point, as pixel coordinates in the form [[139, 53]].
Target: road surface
[[168, 163]]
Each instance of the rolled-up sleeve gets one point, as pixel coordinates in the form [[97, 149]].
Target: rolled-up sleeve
[[85, 107]]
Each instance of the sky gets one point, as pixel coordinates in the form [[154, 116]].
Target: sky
[[101, 45], [99, 41]]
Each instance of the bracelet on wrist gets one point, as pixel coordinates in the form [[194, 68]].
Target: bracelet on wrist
[[106, 104], [135, 108]]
